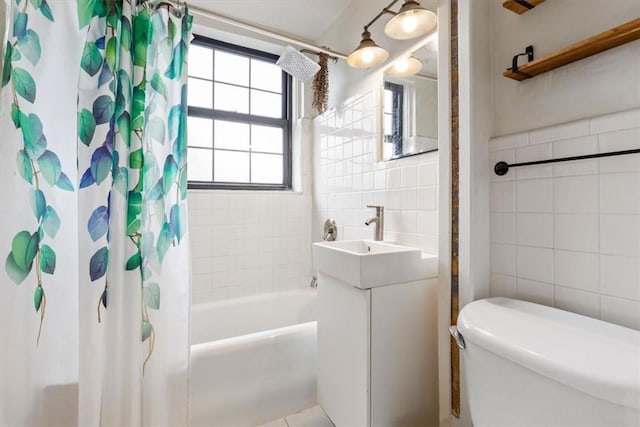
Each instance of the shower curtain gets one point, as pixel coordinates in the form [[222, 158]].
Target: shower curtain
[[94, 292]]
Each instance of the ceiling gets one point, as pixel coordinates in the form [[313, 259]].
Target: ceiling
[[304, 19]]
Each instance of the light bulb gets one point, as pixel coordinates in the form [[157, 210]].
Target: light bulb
[[409, 23], [367, 56], [401, 65]]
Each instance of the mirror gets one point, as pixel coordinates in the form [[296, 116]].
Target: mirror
[[410, 102]]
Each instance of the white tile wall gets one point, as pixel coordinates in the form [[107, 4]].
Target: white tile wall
[[248, 242], [347, 177], [568, 235]]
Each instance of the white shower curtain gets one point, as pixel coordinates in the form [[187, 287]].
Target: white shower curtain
[[94, 280]]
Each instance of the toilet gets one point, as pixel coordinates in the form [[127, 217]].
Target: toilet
[[530, 365]]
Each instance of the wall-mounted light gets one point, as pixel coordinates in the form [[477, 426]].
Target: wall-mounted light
[[367, 54], [405, 67], [412, 20]]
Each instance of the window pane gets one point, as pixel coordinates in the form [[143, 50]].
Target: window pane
[[231, 135], [266, 168], [266, 104], [232, 68], [200, 132], [388, 126], [231, 98], [200, 93], [200, 164], [388, 101], [265, 138], [231, 166], [201, 62], [266, 76]]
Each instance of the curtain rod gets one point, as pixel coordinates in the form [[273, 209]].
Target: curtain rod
[[263, 31]]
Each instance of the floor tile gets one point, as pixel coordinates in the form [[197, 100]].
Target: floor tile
[[277, 423], [312, 417]]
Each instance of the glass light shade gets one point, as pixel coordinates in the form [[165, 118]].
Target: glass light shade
[[367, 54], [405, 67], [411, 21]]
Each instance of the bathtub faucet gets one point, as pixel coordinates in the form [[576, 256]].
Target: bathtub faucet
[[379, 220]]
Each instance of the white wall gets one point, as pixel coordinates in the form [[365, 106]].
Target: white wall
[[344, 35], [597, 85], [252, 242], [568, 235], [348, 177], [492, 105]]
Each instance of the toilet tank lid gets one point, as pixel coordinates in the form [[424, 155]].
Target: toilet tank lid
[[596, 357]]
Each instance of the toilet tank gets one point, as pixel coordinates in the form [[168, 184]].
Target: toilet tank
[[530, 365]]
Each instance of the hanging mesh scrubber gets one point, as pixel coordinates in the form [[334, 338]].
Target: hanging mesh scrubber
[[296, 64]]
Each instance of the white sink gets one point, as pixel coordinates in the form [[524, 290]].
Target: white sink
[[367, 264]]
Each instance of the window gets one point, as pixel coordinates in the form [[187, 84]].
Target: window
[[392, 119], [239, 124]]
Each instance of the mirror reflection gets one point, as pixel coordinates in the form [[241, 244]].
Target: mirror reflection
[[410, 102]]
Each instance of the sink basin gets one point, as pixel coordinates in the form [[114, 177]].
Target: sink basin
[[367, 264]]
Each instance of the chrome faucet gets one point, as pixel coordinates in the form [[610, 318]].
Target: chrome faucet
[[379, 220]]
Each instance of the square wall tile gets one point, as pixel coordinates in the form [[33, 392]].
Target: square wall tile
[[503, 228], [620, 277], [532, 291], [620, 193], [621, 311], [576, 194], [534, 196], [620, 235], [427, 198], [409, 176], [535, 230], [394, 178], [579, 270], [427, 174], [427, 223], [534, 153], [503, 259], [578, 167], [503, 286], [535, 264], [408, 199], [626, 163], [575, 301], [503, 196], [576, 232]]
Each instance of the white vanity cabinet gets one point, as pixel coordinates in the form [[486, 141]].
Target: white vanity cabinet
[[377, 354]]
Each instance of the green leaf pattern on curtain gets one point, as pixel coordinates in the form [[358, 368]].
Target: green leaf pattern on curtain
[[135, 131], [35, 163]]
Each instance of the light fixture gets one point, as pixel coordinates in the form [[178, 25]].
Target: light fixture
[[368, 53], [405, 67], [412, 20]]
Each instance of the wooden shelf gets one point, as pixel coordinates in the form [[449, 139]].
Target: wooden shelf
[[521, 6], [606, 40]]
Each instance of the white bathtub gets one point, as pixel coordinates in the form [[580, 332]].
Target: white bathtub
[[253, 359]]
